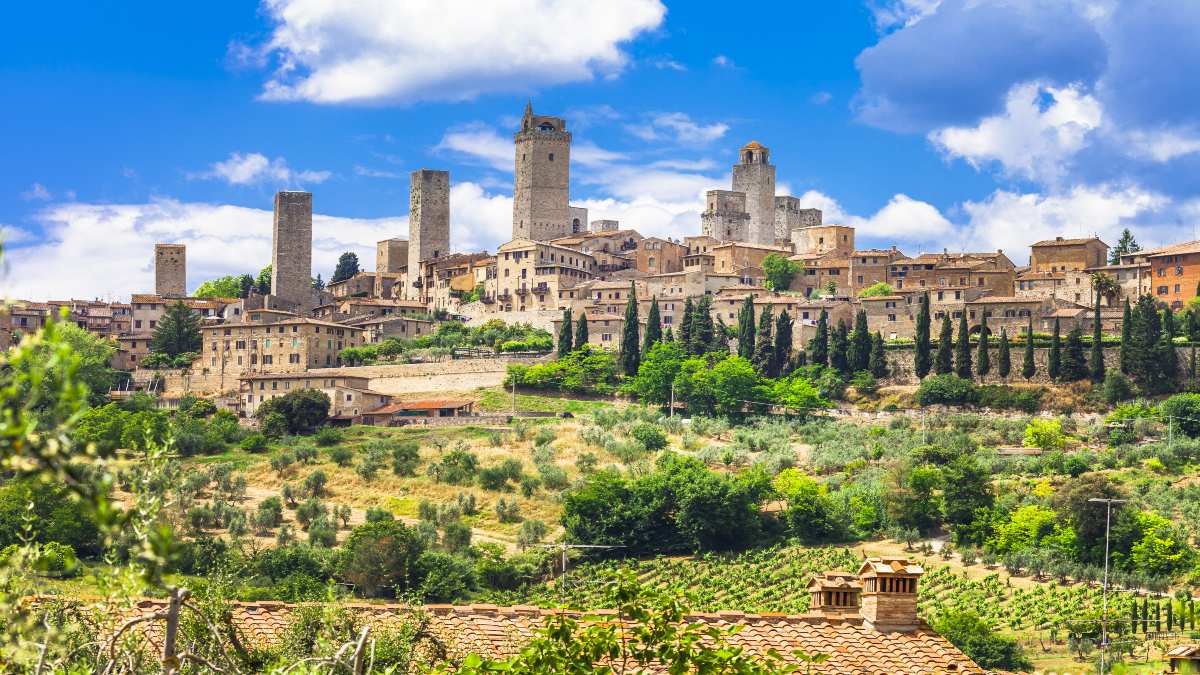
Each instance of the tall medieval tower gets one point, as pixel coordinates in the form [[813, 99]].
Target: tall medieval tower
[[542, 178], [428, 218], [170, 270], [754, 175], [291, 248]]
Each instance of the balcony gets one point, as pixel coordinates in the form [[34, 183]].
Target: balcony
[[523, 290], [504, 297], [541, 288]]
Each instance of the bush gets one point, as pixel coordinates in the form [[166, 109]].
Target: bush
[[376, 514], [864, 383], [978, 640], [1045, 434], [273, 425], [327, 436], [314, 485], [532, 533], [1001, 397], [406, 457], [946, 390], [1117, 387], [458, 467], [587, 370], [444, 577], [508, 512], [255, 442], [342, 456], [56, 517], [1184, 413], [553, 476], [650, 436], [57, 560], [494, 478], [380, 558], [302, 410]]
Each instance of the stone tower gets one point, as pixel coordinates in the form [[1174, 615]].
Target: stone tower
[[725, 216], [755, 176], [542, 177], [428, 218], [170, 270], [391, 255], [291, 248]]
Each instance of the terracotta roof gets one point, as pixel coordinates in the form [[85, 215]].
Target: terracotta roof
[[890, 566], [752, 145], [1059, 241], [429, 404], [1185, 652], [1000, 299], [145, 297], [500, 632], [1174, 249]]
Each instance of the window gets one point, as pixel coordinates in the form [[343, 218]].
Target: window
[[552, 157], [891, 317], [1162, 290], [1176, 290], [606, 337]]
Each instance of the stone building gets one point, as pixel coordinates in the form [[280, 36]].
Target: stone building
[[291, 249], [605, 225], [893, 316], [376, 329], [349, 395], [428, 217], [1060, 255], [826, 274], [541, 180], [362, 284], [744, 259], [754, 177], [725, 217], [170, 270], [988, 270], [823, 239], [789, 217], [531, 275], [391, 262], [280, 345], [658, 256], [869, 267], [1172, 274], [579, 219]]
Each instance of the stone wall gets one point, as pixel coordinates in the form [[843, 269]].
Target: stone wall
[[900, 363]]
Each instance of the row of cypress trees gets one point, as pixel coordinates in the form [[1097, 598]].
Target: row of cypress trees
[[848, 351]]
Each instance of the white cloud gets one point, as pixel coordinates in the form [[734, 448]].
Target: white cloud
[[36, 192], [1162, 145], [677, 127], [254, 168], [722, 61], [482, 142], [903, 219], [339, 52], [1041, 128], [591, 155], [893, 14], [669, 64], [820, 98], [368, 172]]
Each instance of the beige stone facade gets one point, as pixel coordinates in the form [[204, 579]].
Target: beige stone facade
[[349, 396], [754, 177], [541, 185], [286, 346], [530, 275], [659, 256], [428, 217], [823, 239], [1060, 254]]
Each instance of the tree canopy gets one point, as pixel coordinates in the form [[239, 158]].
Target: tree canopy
[[779, 270]]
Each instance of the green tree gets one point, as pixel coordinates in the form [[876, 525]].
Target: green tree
[[630, 349], [380, 558], [913, 499], [246, 286], [1003, 357], [779, 271], [1126, 337], [877, 364], [318, 283], [983, 361], [263, 283], [565, 338], [1150, 356], [858, 353], [962, 349], [178, 331], [703, 333], [944, 363], [764, 345], [685, 324], [1028, 367], [923, 358], [347, 266], [221, 287], [981, 641], [1054, 360], [782, 352], [1096, 365], [653, 327], [1074, 360], [581, 330], [302, 410], [734, 382], [657, 372], [876, 290], [838, 348], [818, 347], [745, 330], [966, 493], [1125, 245]]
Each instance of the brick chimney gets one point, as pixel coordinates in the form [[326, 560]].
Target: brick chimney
[[835, 593], [889, 594]]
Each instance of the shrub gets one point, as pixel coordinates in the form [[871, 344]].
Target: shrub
[[302, 410], [322, 533], [458, 467], [281, 462], [342, 456], [380, 558], [406, 457], [273, 425], [946, 390], [444, 578], [1183, 411], [1002, 397], [456, 536], [553, 477], [1045, 434], [1117, 387], [545, 436], [327, 436], [978, 640], [532, 533], [494, 478], [57, 560], [270, 513], [309, 512], [376, 514], [56, 517], [508, 512], [255, 442], [314, 485], [650, 436], [864, 383]]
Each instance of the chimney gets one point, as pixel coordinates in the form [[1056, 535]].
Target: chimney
[[835, 594], [889, 594]]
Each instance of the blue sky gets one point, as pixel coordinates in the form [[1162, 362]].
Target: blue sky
[[961, 124]]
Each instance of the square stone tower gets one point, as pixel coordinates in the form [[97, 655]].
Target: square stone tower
[[725, 217], [542, 178], [170, 270], [754, 175], [579, 219], [291, 248], [391, 255], [428, 218]]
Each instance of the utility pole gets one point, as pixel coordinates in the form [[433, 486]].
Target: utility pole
[[672, 411], [1107, 527], [563, 547], [514, 406]]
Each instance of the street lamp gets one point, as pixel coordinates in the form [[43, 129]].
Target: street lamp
[[1107, 526]]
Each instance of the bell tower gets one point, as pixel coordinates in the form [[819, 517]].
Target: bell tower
[[754, 175], [541, 180]]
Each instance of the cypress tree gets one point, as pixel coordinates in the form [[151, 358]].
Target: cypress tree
[[1003, 358], [818, 347], [764, 346], [653, 327], [983, 360], [631, 356], [1126, 333], [878, 364], [962, 349], [1074, 364], [1096, 367], [1146, 615], [783, 344], [178, 331], [944, 363], [1168, 323], [720, 338], [701, 335], [1028, 368], [745, 331], [685, 325], [922, 359], [565, 338], [581, 330], [858, 353], [1054, 361], [1133, 616], [1170, 614], [837, 349]]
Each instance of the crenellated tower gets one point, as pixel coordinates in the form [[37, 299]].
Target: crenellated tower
[[541, 180]]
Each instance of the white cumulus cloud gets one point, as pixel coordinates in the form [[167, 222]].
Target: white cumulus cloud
[[379, 50], [677, 127], [254, 168]]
